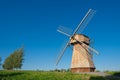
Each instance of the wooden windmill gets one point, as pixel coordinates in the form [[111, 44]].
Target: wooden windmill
[[81, 58]]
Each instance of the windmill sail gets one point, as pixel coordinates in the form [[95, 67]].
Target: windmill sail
[[85, 20], [90, 48], [61, 54]]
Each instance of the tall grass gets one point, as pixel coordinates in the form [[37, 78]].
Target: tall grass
[[39, 75]]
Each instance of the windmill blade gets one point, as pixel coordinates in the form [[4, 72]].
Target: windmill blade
[[61, 54], [64, 30], [85, 20], [90, 48], [63, 33], [91, 44], [86, 54], [71, 47]]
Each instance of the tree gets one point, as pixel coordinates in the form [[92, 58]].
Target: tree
[[19, 58], [15, 60], [8, 64], [68, 70]]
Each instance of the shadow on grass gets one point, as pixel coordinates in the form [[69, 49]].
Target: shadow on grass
[[115, 76], [10, 74], [97, 78]]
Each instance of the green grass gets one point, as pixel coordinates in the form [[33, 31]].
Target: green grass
[[38, 75], [114, 73]]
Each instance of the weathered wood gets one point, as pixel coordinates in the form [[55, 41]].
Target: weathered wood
[[81, 58]]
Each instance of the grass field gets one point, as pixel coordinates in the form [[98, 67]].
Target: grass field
[[39, 75]]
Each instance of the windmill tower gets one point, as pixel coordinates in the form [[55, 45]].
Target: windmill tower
[[81, 58]]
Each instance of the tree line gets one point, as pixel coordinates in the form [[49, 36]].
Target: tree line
[[14, 60]]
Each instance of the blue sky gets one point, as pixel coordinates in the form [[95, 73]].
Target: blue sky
[[34, 24]]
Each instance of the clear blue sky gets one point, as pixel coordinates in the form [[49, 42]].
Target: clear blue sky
[[34, 24]]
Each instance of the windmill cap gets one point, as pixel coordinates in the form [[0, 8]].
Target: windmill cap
[[80, 38]]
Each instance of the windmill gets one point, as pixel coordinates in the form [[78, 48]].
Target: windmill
[[81, 57]]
